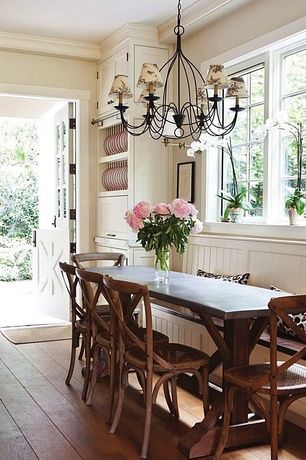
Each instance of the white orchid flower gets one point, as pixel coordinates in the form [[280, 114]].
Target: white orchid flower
[[190, 153]]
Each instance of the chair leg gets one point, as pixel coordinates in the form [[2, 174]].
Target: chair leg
[[87, 367], [274, 425], [174, 396], [72, 357], [82, 349], [121, 389], [171, 402], [112, 381], [228, 405], [94, 374], [148, 416]]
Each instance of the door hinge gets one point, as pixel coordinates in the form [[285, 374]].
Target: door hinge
[[97, 105], [34, 238], [72, 168], [127, 57], [72, 123], [72, 248], [72, 214], [97, 75]]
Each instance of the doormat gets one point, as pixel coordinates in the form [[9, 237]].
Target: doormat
[[31, 334]]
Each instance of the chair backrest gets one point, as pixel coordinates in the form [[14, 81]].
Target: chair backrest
[[282, 307], [93, 258], [71, 282], [123, 298], [92, 288]]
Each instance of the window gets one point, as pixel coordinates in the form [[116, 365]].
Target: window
[[276, 81], [293, 102], [247, 150]]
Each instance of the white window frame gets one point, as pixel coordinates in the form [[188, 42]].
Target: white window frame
[[272, 221]]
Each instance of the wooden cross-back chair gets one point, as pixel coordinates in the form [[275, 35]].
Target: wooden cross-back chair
[[146, 357], [78, 324], [283, 381], [103, 334], [92, 258]]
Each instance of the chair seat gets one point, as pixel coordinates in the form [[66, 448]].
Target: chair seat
[[176, 355], [290, 381], [158, 337]]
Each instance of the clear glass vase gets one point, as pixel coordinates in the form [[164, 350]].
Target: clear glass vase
[[161, 265]]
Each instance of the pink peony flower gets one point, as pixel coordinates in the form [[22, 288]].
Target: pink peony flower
[[193, 210], [143, 209], [180, 208], [128, 215], [134, 222], [162, 208], [198, 226]]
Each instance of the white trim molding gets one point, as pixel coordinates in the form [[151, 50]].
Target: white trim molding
[[49, 46]]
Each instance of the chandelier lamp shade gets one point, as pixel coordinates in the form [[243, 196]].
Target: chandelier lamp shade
[[198, 105]]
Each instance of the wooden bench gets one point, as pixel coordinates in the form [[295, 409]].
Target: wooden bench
[[285, 345]]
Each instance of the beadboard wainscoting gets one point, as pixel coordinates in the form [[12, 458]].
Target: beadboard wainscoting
[[277, 262]]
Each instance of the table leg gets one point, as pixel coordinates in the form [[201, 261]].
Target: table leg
[[201, 440]]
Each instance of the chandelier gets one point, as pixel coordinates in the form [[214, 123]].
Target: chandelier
[[202, 109]]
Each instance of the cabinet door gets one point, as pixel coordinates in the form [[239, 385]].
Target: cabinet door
[[110, 217], [107, 69], [151, 163], [142, 257]]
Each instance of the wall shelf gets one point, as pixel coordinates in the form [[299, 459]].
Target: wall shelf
[[112, 158], [113, 193]]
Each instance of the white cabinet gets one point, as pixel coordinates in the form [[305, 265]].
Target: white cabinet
[[147, 162], [116, 64], [110, 216]]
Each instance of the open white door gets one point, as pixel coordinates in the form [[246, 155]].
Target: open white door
[[54, 239]]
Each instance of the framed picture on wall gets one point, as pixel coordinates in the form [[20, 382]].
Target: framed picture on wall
[[185, 181]]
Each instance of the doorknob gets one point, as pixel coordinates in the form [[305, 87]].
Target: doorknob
[[54, 222]]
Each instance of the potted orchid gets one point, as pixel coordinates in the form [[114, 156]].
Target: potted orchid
[[295, 201], [237, 201], [162, 227]]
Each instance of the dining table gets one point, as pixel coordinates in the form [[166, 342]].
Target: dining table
[[243, 312]]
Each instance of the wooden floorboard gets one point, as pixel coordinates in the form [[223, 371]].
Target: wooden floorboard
[[42, 418]]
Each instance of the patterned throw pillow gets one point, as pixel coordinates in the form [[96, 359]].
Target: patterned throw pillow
[[241, 279], [299, 319]]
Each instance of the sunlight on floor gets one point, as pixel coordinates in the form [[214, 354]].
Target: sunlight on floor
[[17, 306]]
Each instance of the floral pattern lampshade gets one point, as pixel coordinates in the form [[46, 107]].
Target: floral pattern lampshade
[[150, 75], [236, 88], [121, 86], [216, 76], [203, 99]]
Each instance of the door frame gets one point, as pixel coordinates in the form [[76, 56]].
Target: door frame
[[82, 99]]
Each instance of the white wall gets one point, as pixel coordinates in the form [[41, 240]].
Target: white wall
[[29, 71]]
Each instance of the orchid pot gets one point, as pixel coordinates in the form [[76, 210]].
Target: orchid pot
[[236, 215]]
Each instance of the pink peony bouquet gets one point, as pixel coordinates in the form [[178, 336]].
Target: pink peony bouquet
[[165, 225]]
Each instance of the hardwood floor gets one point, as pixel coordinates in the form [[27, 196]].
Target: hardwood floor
[[42, 418]]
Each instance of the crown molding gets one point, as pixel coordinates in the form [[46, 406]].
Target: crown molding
[[137, 32], [49, 46], [198, 15]]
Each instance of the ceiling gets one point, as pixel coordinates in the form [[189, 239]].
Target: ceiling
[[90, 20]]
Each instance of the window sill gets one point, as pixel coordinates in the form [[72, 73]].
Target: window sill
[[261, 230]]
